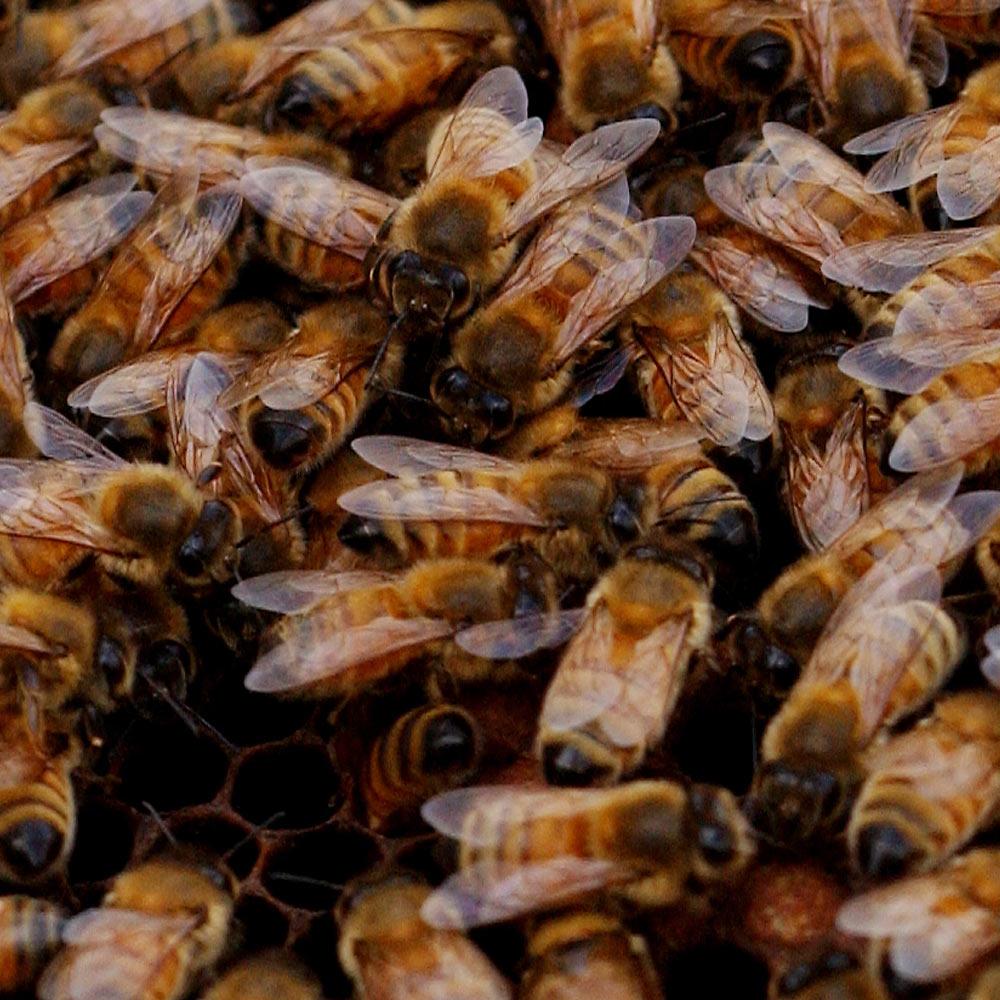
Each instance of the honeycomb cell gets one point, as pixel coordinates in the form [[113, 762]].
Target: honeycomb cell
[[259, 923], [104, 839], [286, 787], [249, 719], [237, 846]]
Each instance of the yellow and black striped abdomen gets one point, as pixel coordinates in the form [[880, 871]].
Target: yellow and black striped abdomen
[[31, 930]]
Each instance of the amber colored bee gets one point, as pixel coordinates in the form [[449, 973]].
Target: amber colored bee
[[920, 521], [953, 142], [514, 357], [885, 652], [645, 841], [173, 268], [37, 804], [613, 60], [831, 437], [936, 926], [52, 258], [345, 630], [68, 109], [426, 751], [32, 934], [795, 191], [389, 951], [162, 143], [929, 790], [619, 679], [402, 162], [588, 953], [735, 48], [160, 924], [264, 977]]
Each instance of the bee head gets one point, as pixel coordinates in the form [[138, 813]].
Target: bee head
[[793, 802], [721, 838], [205, 551], [472, 412], [426, 291]]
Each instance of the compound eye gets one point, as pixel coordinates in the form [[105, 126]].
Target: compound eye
[[454, 384], [650, 109], [462, 299], [499, 413], [405, 261]]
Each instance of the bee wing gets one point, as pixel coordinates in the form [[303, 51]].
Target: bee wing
[[406, 456], [310, 26], [761, 284], [887, 265], [18, 171], [944, 431], [422, 500], [298, 196], [940, 769], [15, 375], [296, 590], [489, 892], [307, 653], [514, 638], [113, 26], [907, 362], [620, 282], [990, 664], [967, 185], [188, 240], [929, 52], [197, 424], [591, 161], [632, 444], [56, 437], [938, 307], [15, 637], [71, 232], [956, 8], [134, 387]]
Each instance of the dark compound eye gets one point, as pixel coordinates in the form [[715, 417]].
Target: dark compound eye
[[453, 384], [760, 59], [498, 412]]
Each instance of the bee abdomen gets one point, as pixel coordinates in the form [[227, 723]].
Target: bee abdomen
[[32, 932]]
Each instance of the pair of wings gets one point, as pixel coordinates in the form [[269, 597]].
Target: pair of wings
[[770, 194], [934, 926], [20, 171]]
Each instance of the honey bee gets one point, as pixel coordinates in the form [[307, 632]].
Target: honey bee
[[425, 751], [434, 255], [32, 934], [588, 953], [884, 653], [830, 427], [160, 924], [173, 268], [618, 681], [954, 142], [263, 977], [37, 804], [692, 362], [613, 61], [350, 629], [68, 109], [402, 164], [932, 926], [734, 48], [16, 384], [514, 357], [644, 841], [52, 258], [860, 60], [795, 191], [162, 143], [920, 521], [389, 951], [929, 790]]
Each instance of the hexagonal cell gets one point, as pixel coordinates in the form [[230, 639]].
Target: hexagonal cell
[[311, 869], [259, 924], [105, 834], [249, 719], [220, 838], [286, 787]]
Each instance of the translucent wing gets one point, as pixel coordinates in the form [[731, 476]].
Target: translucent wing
[[135, 387], [15, 375], [406, 456], [24, 640], [990, 664], [293, 591], [630, 444], [197, 424], [56, 437], [945, 430], [514, 638], [967, 185], [20, 170]]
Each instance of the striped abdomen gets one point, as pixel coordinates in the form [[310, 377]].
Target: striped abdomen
[[31, 930]]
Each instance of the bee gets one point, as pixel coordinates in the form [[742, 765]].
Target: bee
[[68, 109], [174, 266], [451, 501], [32, 935], [402, 163], [263, 977], [644, 841], [162, 143], [16, 384], [389, 951], [953, 142], [920, 521], [860, 61], [52, 258], [345, 630], [160, 924], [884, 653], [692, 362], [795, 191], [932, 926], [619, 679], [37, 803], [929, 790], [425, 751], [514, 357], [830, 431], [734, 48], [588, 953], [433, 256], [613, 61]]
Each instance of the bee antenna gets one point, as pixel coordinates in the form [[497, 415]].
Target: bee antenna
[[306, 880], [290, 516], [192, 719], [254, 830], [158, 819], [394, 327]]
